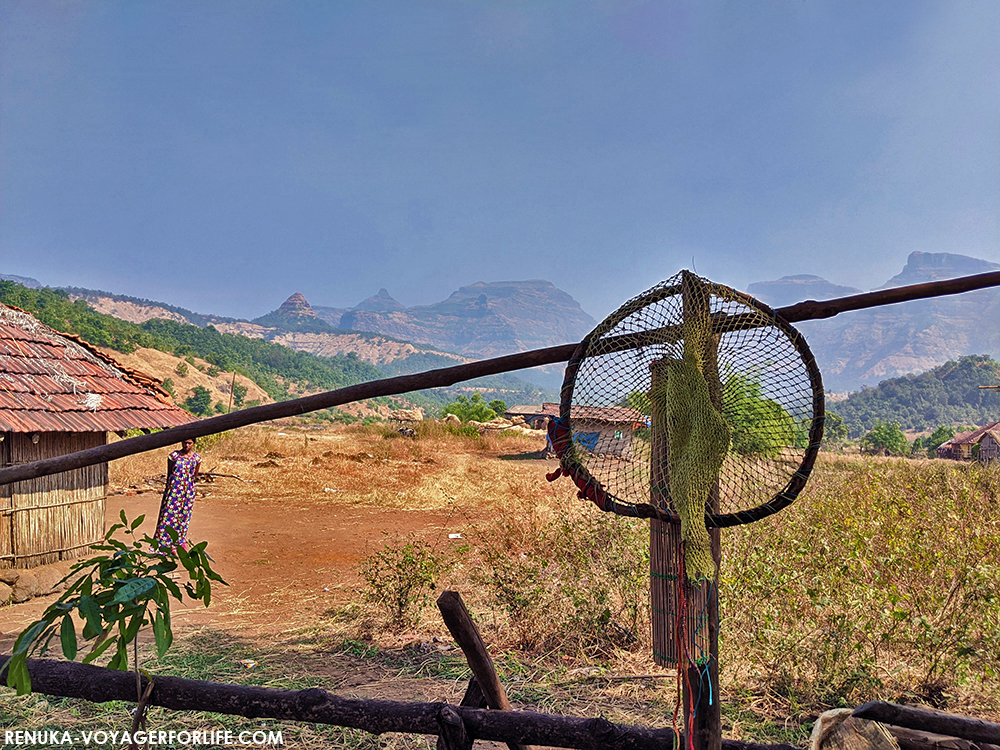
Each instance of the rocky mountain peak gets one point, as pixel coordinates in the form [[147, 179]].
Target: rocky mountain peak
[[923, 267], [381, 302], [296, 306]]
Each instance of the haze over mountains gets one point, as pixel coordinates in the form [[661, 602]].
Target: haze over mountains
[[867, 346], [492, 319]]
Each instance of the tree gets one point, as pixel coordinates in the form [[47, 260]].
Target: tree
[[239, 394], [474, 408], [886, 437], [834, 431], [941, 435], [639, 400], [115, 595], [760, 425], [199, 402]]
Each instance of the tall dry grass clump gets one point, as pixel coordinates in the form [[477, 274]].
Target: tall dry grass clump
[[882, 581], [563, 577]]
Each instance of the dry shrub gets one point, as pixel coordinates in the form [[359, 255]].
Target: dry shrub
[[567, 578]]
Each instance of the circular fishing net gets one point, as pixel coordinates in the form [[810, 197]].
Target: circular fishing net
[[690, 400]]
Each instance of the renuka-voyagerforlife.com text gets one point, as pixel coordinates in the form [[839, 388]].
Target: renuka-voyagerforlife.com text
[[50, 737]]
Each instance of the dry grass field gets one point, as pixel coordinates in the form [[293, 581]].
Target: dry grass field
[[881, 582]]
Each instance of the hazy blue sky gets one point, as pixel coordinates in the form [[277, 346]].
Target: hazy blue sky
[[221, 155]]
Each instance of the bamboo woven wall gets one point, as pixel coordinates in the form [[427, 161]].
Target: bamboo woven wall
[[55, 517]]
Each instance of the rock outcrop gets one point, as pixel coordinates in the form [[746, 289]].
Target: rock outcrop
[[479, 320], [296, 305]]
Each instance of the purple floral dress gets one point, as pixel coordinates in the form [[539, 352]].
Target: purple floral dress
[[178, 500]]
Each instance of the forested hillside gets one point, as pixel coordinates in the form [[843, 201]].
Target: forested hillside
[[947, 395], [280, 371]]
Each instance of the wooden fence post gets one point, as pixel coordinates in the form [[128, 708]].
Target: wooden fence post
[[466, 634]]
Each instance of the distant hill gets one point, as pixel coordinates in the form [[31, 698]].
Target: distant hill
[[22, 280], [280, 371], [479, 320], [788, 290], [866, 346], [283, 361], [139, 310], [946, 395]]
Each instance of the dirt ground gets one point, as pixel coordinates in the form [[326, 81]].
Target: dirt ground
[[287, 543]]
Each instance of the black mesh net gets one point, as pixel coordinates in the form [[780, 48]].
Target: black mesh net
[[623, 392]]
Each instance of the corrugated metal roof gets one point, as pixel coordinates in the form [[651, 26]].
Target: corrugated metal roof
[[51, 382]]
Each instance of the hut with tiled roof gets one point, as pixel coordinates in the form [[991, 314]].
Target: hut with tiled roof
[[962, 447], [604, 430], [59, 395]]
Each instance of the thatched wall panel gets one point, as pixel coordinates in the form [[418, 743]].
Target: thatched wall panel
[[59, 516]]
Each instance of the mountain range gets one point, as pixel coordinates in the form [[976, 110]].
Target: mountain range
[[496, 318]]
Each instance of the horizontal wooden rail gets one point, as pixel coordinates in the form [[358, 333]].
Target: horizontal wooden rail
[[927, 720], [97, 684], [809, 310]]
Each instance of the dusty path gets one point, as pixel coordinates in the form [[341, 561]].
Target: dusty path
[[285, 562]]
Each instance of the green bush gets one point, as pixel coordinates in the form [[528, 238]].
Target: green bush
[[199, 402], [400, 578], [886, 437], [577, 581], [475, 408]]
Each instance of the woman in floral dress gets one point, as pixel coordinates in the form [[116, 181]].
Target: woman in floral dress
[[178, 497]]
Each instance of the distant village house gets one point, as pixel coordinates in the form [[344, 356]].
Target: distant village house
[[604, 430], [962, 447]]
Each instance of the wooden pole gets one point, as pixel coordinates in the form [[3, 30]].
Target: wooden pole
[[98, 684], [664, 537], [809, 310], [467, 636], [232, 391]]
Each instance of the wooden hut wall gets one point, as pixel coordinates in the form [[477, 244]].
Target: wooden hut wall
[[55, 517], [989, 448]]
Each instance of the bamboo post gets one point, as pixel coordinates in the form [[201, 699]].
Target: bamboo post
[[466, 634], [698, 618], [664, 537]]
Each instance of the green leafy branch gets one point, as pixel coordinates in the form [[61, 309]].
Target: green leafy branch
[[115, 596]]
